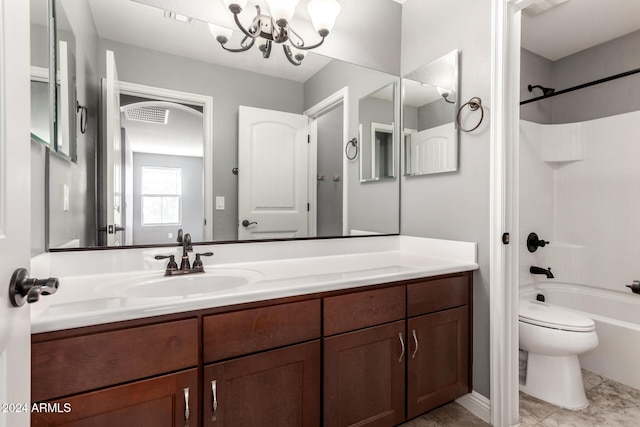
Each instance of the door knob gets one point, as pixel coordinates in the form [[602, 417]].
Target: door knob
[[23, 288], [246, 223]]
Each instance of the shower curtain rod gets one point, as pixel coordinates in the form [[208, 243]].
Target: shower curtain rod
[[571, 89]]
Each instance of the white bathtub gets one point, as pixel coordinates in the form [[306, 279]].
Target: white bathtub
[[617, 319]]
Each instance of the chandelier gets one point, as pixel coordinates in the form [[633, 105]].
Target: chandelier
[[265, 30]]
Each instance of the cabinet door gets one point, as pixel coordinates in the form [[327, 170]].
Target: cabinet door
[[166, 401], [364, 377], [438, 359], [275, 388]]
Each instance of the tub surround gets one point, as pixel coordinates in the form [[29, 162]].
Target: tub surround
[[97, 286]]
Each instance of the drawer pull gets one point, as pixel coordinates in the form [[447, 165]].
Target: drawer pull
[[186, 407], [214, 395], [415, 339], [402, 346]]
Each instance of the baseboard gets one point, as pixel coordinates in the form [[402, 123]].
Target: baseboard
[[477, 404]]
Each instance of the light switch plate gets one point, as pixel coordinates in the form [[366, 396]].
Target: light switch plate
[[220, 203], [65, 198]]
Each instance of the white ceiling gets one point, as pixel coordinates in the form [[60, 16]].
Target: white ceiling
[[577, 25]]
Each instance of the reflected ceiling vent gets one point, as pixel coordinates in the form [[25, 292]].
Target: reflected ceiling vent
[[541, 6], [157, 115]]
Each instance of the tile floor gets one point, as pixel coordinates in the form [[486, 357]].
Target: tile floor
[[611, 404]]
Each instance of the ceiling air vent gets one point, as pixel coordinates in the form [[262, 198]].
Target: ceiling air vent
[[157, 115]]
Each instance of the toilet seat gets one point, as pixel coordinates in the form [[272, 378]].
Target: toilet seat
[[554, 317]]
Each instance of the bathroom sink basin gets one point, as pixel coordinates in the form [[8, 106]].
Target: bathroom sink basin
[[189, 285]]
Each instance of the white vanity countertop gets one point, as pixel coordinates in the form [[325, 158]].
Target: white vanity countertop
[[108, 286]]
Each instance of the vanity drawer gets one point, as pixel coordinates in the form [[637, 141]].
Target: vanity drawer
[[73, 365], [249, 331], [359, 310], [438, 294]]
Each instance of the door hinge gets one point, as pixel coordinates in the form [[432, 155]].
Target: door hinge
[[505, 238], [308, 139], [308, 207]]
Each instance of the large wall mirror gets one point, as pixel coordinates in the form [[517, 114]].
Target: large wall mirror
[[169, 143], [429, 106]]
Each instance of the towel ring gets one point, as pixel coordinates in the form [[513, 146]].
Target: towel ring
[[82, 109], [353, 142], [474, 103]]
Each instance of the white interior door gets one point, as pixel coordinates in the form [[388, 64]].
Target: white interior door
[[114, 202], [14, 209], [272, 179]]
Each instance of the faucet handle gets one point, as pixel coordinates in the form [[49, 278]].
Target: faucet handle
[[197, 263], [172, 264]]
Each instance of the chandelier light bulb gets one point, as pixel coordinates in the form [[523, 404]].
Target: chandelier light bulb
[[323, 15], [221, 34], [282, 10]]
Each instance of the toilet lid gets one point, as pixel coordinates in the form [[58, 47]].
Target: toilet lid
[[555, 317]]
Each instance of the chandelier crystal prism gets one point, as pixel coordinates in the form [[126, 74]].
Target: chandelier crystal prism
[[275, 28]]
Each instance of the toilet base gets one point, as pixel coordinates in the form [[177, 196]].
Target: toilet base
[[556, 380]]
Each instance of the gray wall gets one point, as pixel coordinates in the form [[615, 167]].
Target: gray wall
[[192, 206], [456, 205], [229, 89], [373, 206], [603, 100], [535, 70], [330, 147]]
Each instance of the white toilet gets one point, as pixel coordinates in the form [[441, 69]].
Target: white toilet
[[554, 337]]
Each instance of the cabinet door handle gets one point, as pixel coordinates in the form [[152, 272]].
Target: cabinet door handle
[[402, 346], [415, 339], [214, 396], [186, 407]]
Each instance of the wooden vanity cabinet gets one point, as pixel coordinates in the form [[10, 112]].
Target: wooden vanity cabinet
[[271, 375], [367, 357], [439, 342], [364, 375], [165, 401], [136, 376], [409, 350], [364, 358], [275, 388]]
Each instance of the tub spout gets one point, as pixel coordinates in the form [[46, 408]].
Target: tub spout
[[635, 287], [539, 270]]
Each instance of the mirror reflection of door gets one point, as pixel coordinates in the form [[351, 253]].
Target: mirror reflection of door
[[164, 165], [330, 179], [113, 225], [273, 174]]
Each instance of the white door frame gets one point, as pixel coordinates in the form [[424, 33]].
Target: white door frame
[[206, 102], [322, 107], [504, 202], [15, 210]]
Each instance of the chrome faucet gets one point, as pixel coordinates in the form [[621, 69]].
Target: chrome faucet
[[539, 270]]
